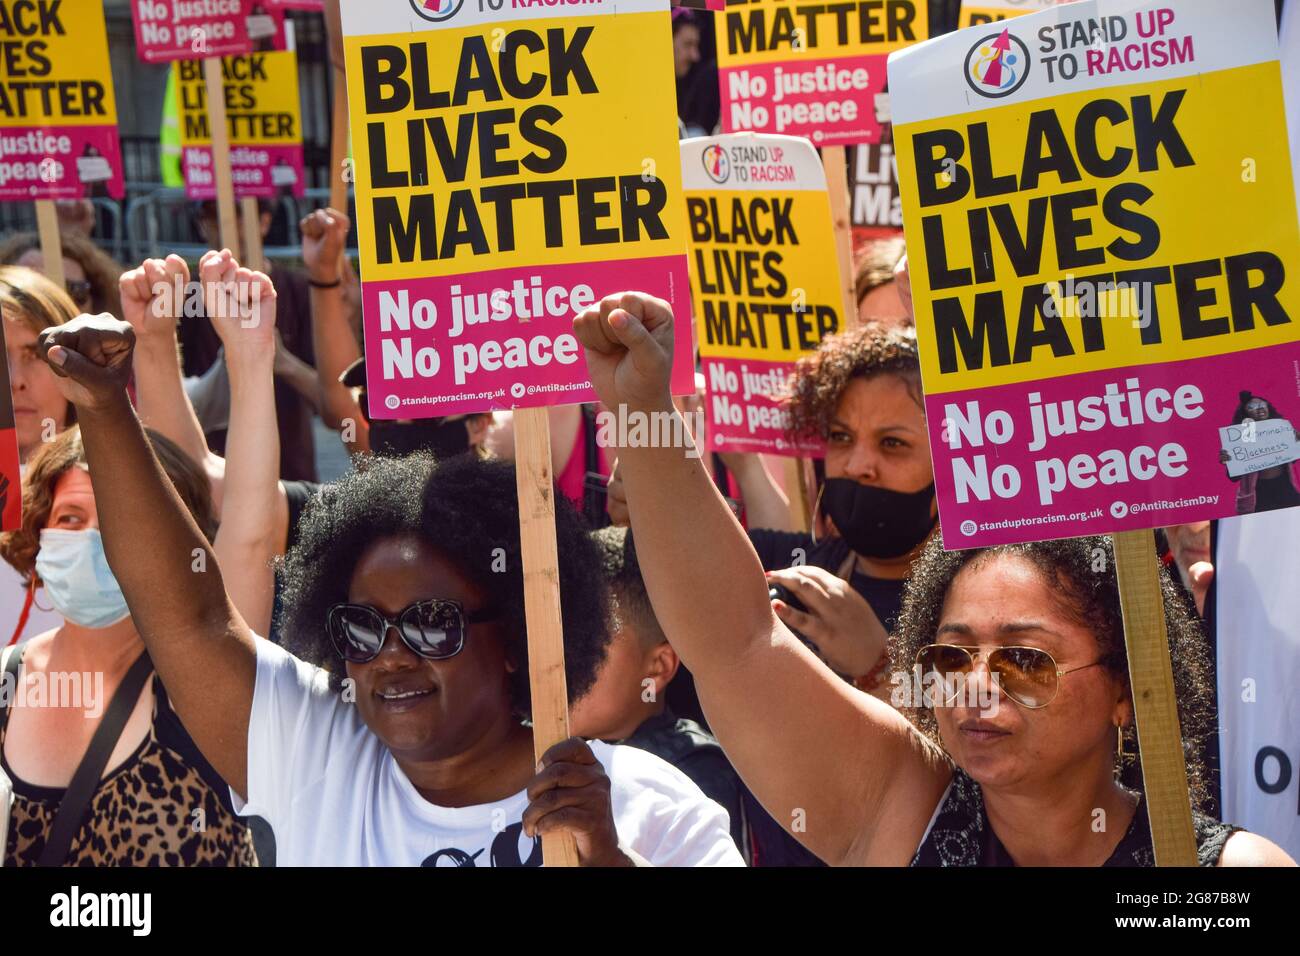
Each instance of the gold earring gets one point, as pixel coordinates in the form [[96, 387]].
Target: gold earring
[[817, 507], [1119, 742]]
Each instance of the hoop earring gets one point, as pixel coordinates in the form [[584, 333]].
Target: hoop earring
[[817, 509], [32, 587], [1119, 742]]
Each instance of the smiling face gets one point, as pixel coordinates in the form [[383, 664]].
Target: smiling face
[[1004, 600], [1257, 408], [36, 394], [424, 709]]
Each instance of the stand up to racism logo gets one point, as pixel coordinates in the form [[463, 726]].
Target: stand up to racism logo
[[997, 65], [716, 163], [436, 10]]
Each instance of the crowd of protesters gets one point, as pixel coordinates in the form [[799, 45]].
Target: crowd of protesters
[[280, 670]]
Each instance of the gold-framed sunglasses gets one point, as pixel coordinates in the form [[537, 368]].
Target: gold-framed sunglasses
[[1028, 675]]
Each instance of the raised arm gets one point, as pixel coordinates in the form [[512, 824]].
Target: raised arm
[[153, 295], [843, 772], [199, 644], [323, 234], [766, 505], [255, 522]]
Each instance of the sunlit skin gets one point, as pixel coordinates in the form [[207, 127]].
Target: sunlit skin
[[72, 271], [686, 49], [883, 304], [878, 437], [1190, 546], [616, 705], [36, 394], [1045, 770], [458, 743], [44, 744]]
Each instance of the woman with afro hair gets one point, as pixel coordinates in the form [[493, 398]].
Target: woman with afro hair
[[392, 730]]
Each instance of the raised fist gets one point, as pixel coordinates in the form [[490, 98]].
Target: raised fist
[[628, 339], [153, 295], [91, 355], [323, 234]]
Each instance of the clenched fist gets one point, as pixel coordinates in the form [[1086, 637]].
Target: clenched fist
[[628, 339], [91, 355]]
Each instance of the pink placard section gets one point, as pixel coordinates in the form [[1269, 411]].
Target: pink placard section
[[60, 162], [742, 412], [166, 30], [839, 109], [258, 171], [1116, 450], [504, 338]]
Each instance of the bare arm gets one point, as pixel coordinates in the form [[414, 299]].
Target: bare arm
[[152, 295], [766, 505], [323, 234], [297, 374], [253, 530], [843, 772], [200, 645]]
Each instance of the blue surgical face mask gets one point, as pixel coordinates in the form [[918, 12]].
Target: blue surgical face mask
[[77, 578]]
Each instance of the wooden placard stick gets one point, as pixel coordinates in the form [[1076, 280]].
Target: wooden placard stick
[[47, 228], [1164, 768], [535, 481], [835, 164], [252, 220], [339, 144], [216, 94]]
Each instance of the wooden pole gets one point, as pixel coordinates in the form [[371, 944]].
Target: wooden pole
[[339, 143], [836, 167], [1164, 767], [536, 486], [216, 94], [252, 238], [47, 228]]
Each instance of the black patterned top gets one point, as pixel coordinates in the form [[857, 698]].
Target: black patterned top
[[163, 806], [961, 835]]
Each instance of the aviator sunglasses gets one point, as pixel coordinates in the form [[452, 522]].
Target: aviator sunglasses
[[1028, 675], [433, 629]]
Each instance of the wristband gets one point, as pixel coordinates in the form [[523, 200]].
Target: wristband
[[324, 285]]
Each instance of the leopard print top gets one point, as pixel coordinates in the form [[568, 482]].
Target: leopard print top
[[163, 806]]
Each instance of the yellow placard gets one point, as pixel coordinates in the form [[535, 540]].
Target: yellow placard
[[770, 31], [1013, 214], [55, 68], [262, 107], [503, 156]]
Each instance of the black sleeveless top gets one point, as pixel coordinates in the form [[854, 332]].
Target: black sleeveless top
[[961, 835]]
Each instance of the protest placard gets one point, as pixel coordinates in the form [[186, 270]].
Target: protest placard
[[58, 117], [509, 171], [263, 123], [167, 30], [814, 70], [877, 211], [1100, 220], [991, 11], [11, 502], [1253, 446], [765, 279]]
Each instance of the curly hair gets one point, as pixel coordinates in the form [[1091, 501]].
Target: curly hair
[[1090, 597], [623, 574], [874, 265], [864, 351], [467, 509], [54, 459], [101, 271]]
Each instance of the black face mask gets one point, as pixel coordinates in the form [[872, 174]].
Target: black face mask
[[876, 522], [442, 439]]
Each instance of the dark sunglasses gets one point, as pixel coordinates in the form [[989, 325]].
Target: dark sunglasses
[[434, 629], [1028, 675], [79, 290]]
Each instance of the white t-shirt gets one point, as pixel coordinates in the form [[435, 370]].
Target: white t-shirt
[[334, 795]]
